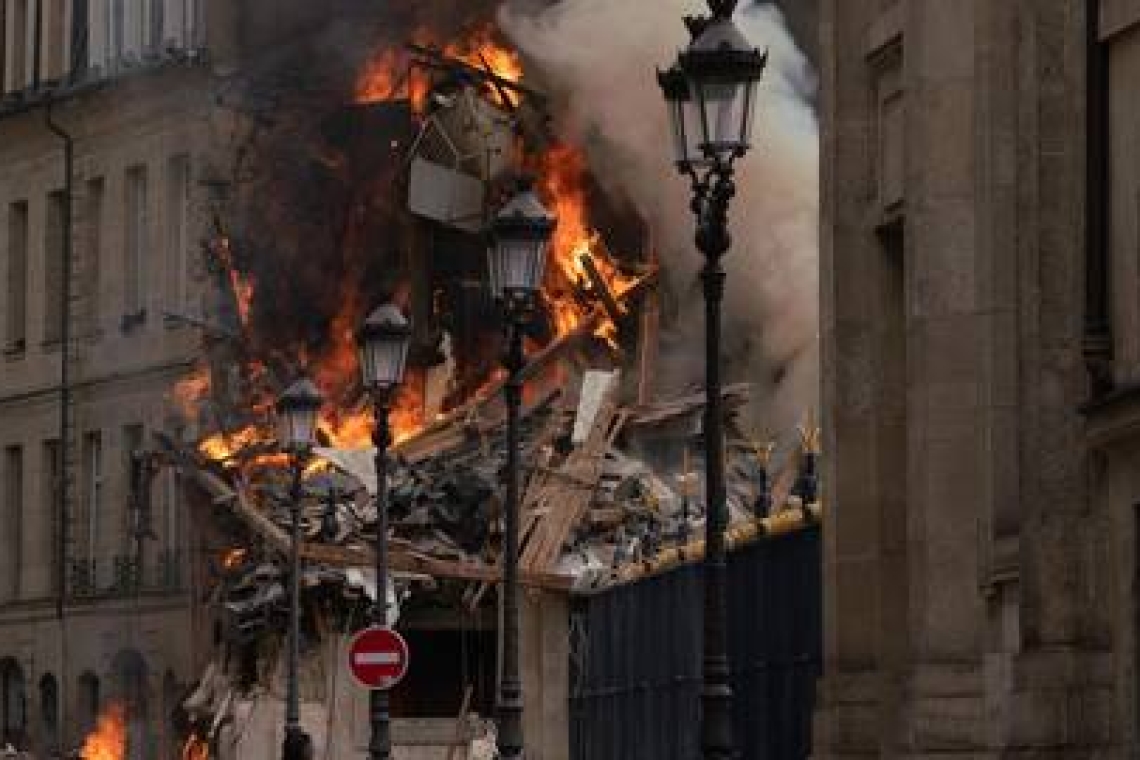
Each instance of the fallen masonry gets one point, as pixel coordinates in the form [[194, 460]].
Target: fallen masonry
[[604, 505], [612, 484]]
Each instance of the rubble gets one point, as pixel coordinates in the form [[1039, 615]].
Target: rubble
[[612, 489]]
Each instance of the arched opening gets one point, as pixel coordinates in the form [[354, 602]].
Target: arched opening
[[130, 688], [13, 704], [89, 701], [49, 712]]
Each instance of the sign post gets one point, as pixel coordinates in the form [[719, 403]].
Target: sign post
[[378, 658]]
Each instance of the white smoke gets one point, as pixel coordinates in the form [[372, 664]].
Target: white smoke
[[598, 58]]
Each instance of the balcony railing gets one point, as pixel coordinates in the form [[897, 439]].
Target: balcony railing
[[121, 576]]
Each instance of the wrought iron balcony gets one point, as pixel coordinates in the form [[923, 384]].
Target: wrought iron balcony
[[161, 574]]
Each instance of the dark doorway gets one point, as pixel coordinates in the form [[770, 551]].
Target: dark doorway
[[13, 704]]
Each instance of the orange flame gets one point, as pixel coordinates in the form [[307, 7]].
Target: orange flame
[[353, 429], [562, 172], [388, 75], [232, 558], [190, 390], [382, 79], [195, 748], [223, 447], [109, 739], [482, 51], [241, 284], [344, 423]]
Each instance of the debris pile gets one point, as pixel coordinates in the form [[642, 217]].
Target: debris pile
[[612, 483]]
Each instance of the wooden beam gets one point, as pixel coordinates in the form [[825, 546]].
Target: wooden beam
[[414, 562], [599, 288]]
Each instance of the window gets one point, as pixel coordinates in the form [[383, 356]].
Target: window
[[51, 473], [134, 28], [132, 444], [13, 706], [177, 207], [89, 698], [54, 307], [171, 527], [116, 20], [53, 62], [93, 494], [3, 46], [13, 517], [17, 36], [80, 39], [155, 18], [135, 237], [177, 22], [93, 219], [17, 334], [49, 709]]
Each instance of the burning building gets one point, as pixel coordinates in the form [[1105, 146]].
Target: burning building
[[242, 184]]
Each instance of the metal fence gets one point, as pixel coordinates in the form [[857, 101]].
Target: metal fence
[[635, 658]]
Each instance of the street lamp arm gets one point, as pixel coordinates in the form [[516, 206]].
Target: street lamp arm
[[712, 196]]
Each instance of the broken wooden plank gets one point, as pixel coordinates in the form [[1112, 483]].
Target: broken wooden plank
[[446, 429], [400, 560], [559, 503], [734, 396], [461, 722], [601, 290], [414, 562]]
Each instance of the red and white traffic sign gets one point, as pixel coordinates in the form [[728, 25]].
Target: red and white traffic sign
[[378, 658]]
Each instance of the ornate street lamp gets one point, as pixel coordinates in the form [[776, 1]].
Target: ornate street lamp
[[383, 343], [711, 94], [521, 234], [297, 410]]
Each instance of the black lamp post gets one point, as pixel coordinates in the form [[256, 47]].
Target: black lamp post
[[296, 427], [383, 344], [521, 235], [711, 94]]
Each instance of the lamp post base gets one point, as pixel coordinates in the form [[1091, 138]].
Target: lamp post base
[[297, 745]]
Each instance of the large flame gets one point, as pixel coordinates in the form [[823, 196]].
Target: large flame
[[109, 739], [562, 173], [388, 74], [580, 267]]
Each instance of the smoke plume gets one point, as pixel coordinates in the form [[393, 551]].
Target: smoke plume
[[596, 57]]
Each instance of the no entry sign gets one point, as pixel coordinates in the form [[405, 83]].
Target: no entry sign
[[378, 658]]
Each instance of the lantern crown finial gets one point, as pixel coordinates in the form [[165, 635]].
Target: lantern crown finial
[[722, 8], [525, 206], [302, 394], [386, 320]]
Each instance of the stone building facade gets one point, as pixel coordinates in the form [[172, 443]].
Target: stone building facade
[[104, 294], [81, 622], [980, 334]]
